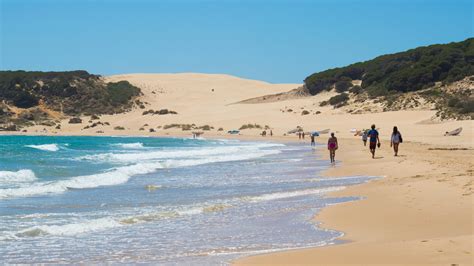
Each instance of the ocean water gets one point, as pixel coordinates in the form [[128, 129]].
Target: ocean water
[[162, 200]]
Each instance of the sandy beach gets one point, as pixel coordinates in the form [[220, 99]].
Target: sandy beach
[[420, 212]]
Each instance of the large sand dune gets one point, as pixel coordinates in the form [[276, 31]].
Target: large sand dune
[[211, 99]]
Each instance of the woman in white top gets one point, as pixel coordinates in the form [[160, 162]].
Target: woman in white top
[[395, 140]]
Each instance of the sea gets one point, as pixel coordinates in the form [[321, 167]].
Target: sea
[[170, 201]]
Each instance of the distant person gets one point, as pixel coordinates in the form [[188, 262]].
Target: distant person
[[374, 140], [395, 140], [302, 135], [312, 140], [299, 135], [332, 147], [364, 137], [271, 133]]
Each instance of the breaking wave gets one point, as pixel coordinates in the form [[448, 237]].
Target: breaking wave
[[24, 175], [45, 147]]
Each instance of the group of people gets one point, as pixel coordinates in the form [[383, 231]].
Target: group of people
[[301, 135], [374, 142]]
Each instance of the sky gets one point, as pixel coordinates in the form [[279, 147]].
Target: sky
[[276, 41]]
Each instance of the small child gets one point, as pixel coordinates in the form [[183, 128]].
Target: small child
[[364, 137]]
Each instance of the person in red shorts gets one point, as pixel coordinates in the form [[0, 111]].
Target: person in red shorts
[[373, 135]]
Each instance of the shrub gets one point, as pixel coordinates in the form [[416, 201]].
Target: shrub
[[305, 112], [250, 126], [186, 127], [376, 91], [410, 70], [171, 126], [343, 85], [356, 89], [25, 100], [119, 128], [467, 107], [75, 120], [121, 92], [339, 100], [205, 127]]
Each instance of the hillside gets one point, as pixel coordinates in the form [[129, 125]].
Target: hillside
[[30, 97], [424, 72]]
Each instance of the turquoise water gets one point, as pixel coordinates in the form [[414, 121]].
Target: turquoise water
[[166, 200]]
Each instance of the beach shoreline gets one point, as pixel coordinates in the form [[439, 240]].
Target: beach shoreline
[[397, 221], [447, 240]]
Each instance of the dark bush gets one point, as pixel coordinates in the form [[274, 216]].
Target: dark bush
[[411, 70], [356, 89], [339, 100], [343, 85], [25, 100], [467, 107], [75, 120], [121, 92], [453, 102], [163, 112]]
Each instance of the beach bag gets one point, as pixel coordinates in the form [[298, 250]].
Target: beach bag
[[401, 140]]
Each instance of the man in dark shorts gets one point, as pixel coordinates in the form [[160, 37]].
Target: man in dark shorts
[[373, 135]]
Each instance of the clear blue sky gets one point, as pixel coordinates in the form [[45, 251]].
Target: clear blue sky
[[275, 41]]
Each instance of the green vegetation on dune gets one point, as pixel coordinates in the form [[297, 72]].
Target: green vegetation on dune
[[407, 71], [440, 75], [72, 92]]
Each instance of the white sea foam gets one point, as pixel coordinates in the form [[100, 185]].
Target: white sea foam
[[114, 177], [45, 147], [70, 229], [122, 174], [172, 154], [291, 194], [24, 175], [136, 145]]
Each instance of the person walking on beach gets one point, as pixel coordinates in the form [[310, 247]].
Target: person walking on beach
[[395, 140], [332, 147], [364, 137], [302, 135], [312, 140], [299, 135], [373, 135]]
